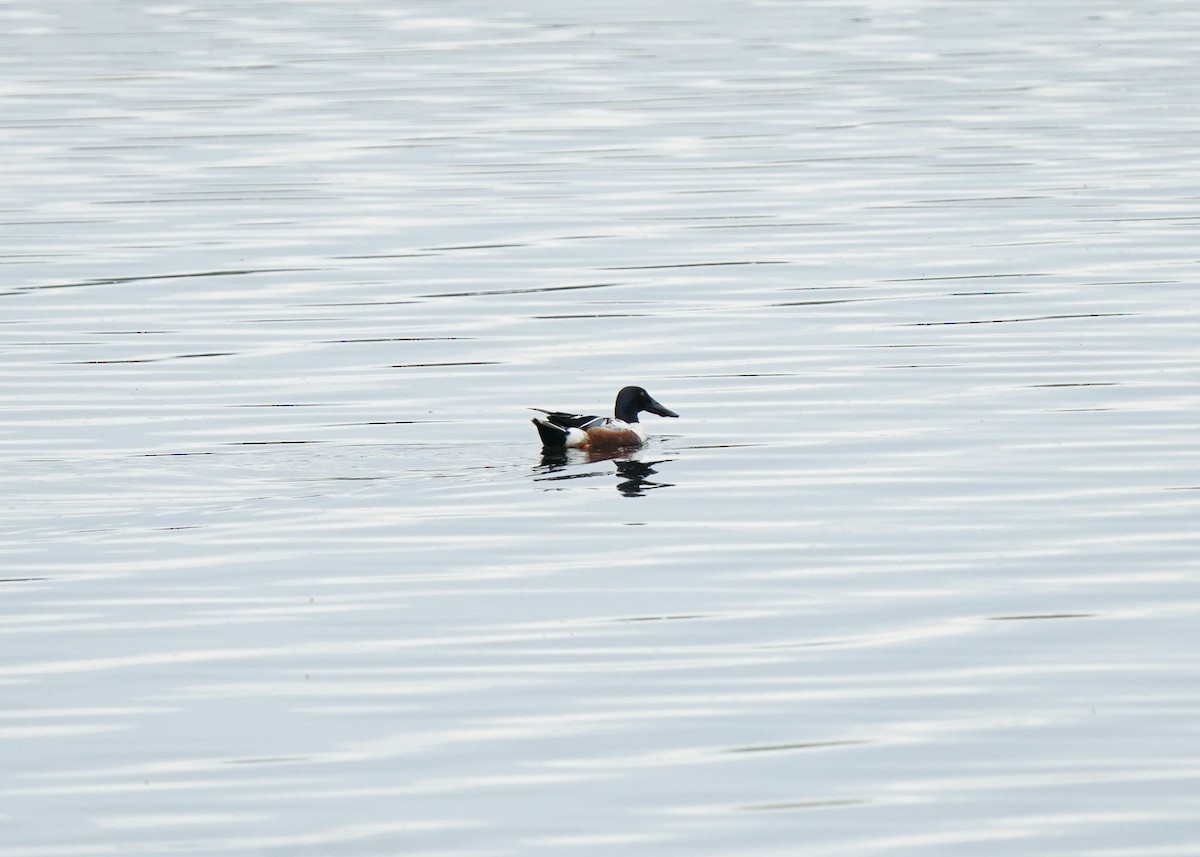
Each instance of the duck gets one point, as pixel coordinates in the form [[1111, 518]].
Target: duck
[[560, 430]]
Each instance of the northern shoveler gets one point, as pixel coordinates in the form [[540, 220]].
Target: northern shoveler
[[579, 431]]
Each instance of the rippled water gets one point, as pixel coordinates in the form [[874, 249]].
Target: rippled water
[[283, 571]]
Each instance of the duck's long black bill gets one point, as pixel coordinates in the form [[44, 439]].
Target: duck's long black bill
[[655, 408]]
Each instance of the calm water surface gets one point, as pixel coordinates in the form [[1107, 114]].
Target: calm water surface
[[283, 571]]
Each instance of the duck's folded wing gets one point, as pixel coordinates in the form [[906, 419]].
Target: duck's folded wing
[[583, 421]]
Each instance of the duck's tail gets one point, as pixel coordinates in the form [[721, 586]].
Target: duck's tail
[[552, 436]]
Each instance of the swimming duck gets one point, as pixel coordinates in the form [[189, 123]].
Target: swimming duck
[[578, 431]]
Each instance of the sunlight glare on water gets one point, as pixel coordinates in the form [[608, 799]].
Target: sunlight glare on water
[[283, 570]]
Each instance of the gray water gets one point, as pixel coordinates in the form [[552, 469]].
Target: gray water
[[282, 567]]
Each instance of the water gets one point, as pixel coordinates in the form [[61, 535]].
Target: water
[[284, 571]]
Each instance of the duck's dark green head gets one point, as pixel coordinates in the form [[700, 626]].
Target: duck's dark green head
[[631, 401]]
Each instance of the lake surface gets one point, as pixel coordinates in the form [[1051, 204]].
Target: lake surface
[[283, 570]]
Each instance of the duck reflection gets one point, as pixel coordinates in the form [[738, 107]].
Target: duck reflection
[[633, 471]]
